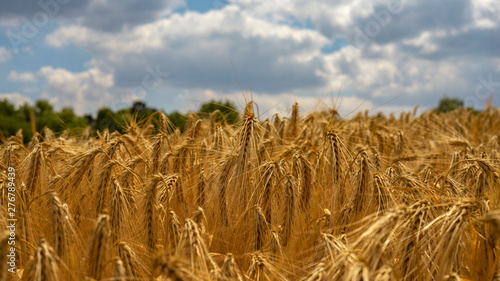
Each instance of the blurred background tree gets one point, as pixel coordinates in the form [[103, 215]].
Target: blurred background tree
[[178, 119], [106, 119], [229, 113], [447, 104], [13, 119]]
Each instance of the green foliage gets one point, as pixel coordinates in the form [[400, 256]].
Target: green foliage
[[228, 110], [12, 119], [11, 124], [119, 121], [107, 119], [43, 107], [6, 108], [60, 121], [142, 113], [447, 104], [179, 120]]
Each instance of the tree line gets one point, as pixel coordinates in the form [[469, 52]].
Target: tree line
[[34, 118]]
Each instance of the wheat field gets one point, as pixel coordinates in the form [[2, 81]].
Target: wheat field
[[307, 197]]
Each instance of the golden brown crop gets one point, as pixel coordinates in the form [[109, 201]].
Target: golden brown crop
[[307, 198]]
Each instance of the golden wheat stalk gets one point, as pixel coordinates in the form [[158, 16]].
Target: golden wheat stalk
[[43, 265], [98, 246]]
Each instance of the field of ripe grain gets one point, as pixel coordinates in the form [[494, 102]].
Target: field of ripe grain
[[304, 197]]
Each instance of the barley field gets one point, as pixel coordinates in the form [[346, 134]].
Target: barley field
[[307, 197]]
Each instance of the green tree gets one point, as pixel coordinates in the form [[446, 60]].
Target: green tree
[[43, 107], [69, 120], [6, 108], [447, 104], [178, 120], [107, 119], [142, 113], [227, 108], [12, 120], [139, 113], [57, 122], [25, 112]]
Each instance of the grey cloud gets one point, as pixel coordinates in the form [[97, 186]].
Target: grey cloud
[[117, 14], [475, 42], [421, 16], [201, 59], [110, 16], [428, 92], [27, 8], [211, 68]]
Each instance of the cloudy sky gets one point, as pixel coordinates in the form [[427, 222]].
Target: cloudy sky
[[388, 55]]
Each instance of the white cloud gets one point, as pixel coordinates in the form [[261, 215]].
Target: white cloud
[[485, 13], [228, 23], [388, 73], [195, 48], [332, 18], [4, 54], [415, 58], [16, 98], [83, 91], [21, 76]]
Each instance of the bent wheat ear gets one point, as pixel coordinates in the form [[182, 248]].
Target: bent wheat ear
[[43, 265], [275, 244], [151, 214], [62, 227], [363, 199], [261, 269], [261, 229], [289, 209], [119, 208], [200, 219], [36, 173], [165, 126], [173, 227], [192, 247], [129, 259], [175, 269], [98, 248], [156, 153], [120, 273], [224, 178], [269, 173], [229, 271], [248, 137], [106, 164]]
